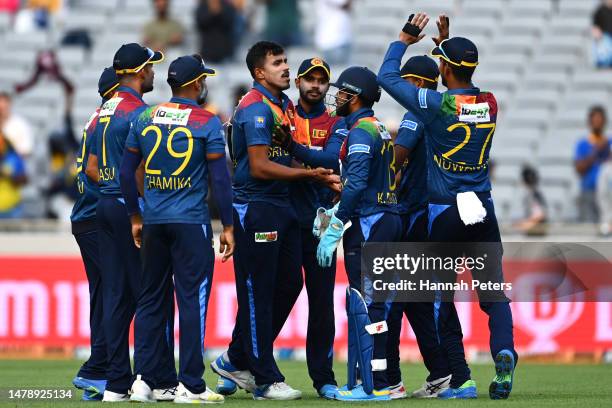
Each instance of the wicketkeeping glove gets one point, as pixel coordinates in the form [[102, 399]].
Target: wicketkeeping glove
[[330, 240], [321, 221]]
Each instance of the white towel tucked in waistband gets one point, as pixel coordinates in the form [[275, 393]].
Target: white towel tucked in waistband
[[470, 208]]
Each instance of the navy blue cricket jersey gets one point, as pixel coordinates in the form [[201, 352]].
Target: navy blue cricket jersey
[[85, 205], [459, 124], [112, 129], [253, 122], [412, 191], [368, 168], [174, 139]]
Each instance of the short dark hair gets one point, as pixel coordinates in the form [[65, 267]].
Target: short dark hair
[[597, 109], [256, 56], [463, 74], [5, 95], [431, 85]]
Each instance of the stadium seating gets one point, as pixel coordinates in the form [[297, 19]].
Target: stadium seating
[[535, 56]]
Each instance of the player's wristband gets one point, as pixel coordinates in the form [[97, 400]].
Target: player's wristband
[[222, 188], [129, 164]]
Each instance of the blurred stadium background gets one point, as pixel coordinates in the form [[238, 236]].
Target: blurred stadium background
[[536, 56]]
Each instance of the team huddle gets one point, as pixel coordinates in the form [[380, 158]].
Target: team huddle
[[305, 177]]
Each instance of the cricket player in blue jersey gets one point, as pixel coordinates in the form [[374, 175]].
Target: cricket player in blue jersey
[[316, 142], [267, 260], [367, 212], [459, 127], [181, 144], [91, 378], [119, 258], [410, 155]]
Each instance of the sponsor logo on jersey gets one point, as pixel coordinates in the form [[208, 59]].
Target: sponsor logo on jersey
[[260, 122], [165, 115], [474, 113], [358, 148], [266, 236], [409, 124], [109, 107]]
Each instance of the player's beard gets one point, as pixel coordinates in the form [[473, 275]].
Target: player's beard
[[444, 81], [203, 94], [342, 106], [147, 86], [309, 99], [343, 109]]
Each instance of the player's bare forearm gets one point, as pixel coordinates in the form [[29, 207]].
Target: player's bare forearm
[[263, 168], [401, 154], [92, 168]]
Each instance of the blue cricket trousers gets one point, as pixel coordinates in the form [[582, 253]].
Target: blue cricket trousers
[[186, 252], [267, 266], [320, 283], [445, 225], [121, 285], [95, 367], [422, 316]]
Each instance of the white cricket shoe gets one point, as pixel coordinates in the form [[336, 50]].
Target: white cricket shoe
[[398, 391], [279, 391], [431, 389], [164, 394], [141, 392], [184, 396], [110, 396]]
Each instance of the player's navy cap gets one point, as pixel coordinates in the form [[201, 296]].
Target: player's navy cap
[[421, 67], [187, 69], [131, 58], [360, 81], [457, 51], [108, 81], [309, 64]]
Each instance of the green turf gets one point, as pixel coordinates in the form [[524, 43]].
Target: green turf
[[585, 386]]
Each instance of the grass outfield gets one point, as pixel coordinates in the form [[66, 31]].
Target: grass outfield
[[536, 385]]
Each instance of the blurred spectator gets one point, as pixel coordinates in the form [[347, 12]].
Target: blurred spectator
[[36, 15], [163, 32], [244, 13], [12, 177], [61, 190], [14, 128], [602, 34], [534, 223], [9, 6], [47, 65], [333, 38], [77, 37], [590, 153], [604, 197], [283, 22], [215, 20]]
